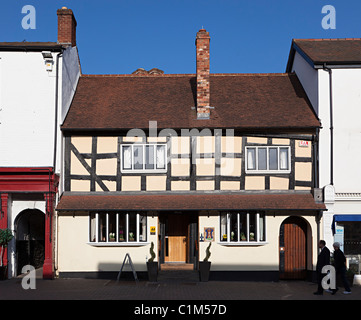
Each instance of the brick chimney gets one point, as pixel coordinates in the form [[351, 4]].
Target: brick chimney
[[203, 85], [66, 27]]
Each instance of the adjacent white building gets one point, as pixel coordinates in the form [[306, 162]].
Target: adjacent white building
[[330, 72], [37, 84]]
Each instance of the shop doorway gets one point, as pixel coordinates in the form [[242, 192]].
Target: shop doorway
[[178, 238], [30, 239], [293, 248]]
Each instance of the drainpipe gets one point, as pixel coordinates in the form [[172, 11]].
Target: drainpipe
[[56, 108], [55, 153], [329, 70]]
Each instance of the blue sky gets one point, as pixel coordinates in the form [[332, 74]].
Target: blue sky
[[119, 36]]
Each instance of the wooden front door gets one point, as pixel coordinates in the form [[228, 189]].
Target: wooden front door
[[176, 238], [293, 253]]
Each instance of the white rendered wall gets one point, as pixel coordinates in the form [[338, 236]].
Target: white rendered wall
[[27, 110], [308, 78], [347, 130]]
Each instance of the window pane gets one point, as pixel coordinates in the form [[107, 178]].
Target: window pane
[[149, 157], [111, 227], [262, 158], [262, 227], [252, 227], [92, 227], [132, 236], [223, 227], [284, 159], [161, 157], [102, 227], [122, 227], [142, 227], [251, 158], [352, 236], [243, 226], [273, 163], [127, 157], [138, 157], [234, 226]]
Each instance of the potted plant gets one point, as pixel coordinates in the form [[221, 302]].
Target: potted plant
[[152, 265], [5, 237], [112, 236], [205, 265]]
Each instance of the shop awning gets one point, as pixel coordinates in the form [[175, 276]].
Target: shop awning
[[344, 217], [203, 201]]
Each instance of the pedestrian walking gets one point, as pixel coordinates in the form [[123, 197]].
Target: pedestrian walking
[[322, 260], [340, 266]]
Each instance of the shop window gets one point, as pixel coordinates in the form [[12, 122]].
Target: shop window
[[117, 227], [144, 158], [243, 227], [351, 237]]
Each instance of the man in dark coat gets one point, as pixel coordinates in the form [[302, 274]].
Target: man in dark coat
[[322, 260], [340, 266]]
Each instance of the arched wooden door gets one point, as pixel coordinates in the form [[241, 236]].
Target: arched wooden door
[[293, 249]]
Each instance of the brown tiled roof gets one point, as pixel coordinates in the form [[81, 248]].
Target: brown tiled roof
[[330, 51], [239, 101], [98, 202]]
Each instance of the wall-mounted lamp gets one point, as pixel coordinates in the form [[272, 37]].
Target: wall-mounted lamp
[[48, 58]]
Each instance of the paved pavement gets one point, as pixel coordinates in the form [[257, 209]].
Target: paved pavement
[[100, 289]]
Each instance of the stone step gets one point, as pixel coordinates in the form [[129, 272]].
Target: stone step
[[176, 266], [178, 276]]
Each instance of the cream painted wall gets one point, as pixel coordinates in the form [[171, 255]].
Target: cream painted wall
[[252, 257], [75, 254]]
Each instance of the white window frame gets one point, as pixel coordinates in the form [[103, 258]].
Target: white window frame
[[268, 171], [247, 242], [126, 241], [144, 145]]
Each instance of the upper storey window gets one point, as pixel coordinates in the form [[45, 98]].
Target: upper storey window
[[268, 159], [144, 157]]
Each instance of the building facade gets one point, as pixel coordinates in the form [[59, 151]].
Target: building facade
[[329, 70], [37, 84], [183, 160]]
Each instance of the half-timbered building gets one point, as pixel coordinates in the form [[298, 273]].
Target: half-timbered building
[[182, 160]]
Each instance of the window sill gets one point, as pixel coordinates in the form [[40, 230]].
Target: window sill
[[118, 244], [242, 244], [268, 171], [124, 171]]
